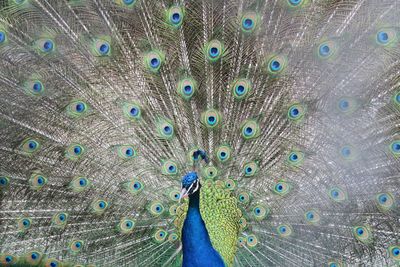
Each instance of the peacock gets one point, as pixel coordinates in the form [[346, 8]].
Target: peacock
[[199, 133]]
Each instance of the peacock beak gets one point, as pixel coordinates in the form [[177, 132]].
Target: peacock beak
[[184, 193]]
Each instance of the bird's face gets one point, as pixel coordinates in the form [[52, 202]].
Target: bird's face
[[190, 184]]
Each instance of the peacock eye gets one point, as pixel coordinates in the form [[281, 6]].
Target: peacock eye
[[276, 65], [169, 167], [175, 16], [101, 46], [77, 109], [312, 217], [154, 60], [160, 235], [394, 252], [282, 188], [260, 212], [248, 23], [295, 158], [250, 129], [347, 152], [250, 169], [30, 145], [165, 129], [295, 2], [3, 37], [99, 206], [126, 152], [284, 230], [45, 45], [385, 36], [211, 118], [74, 151], [385, 201], [214, 50], [59, 220], [156, 208], [4, 181], [296, 112], [395, 148], [362, 233]]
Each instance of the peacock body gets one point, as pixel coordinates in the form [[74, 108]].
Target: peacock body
[[277, 119]]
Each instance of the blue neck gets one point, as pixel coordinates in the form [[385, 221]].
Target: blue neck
[[197, 247]]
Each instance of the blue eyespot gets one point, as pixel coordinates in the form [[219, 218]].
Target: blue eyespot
[[3, 181], [344, 105], [360, 231], [158, 208], [275, 65], [154, 62], [396, 251], [40, 180], [211, 120], [61, 217], [346, 152], [167, 130], [240, 90], [295, 2], [129, 152], [188, 90], [32, 145], [294, 112], [77, 150], [82, 182], [334, 193], [129, 224], [137, 186], [102, 204], [282, 229], [248, 131], [2, 37], [37, 87], [48, 45], [104, 48], [171, 168], [248, 170], [332, 265], [223, 155], [257, 210], [310, 215], [397, 98], [383, 198], [34, 255], [293, 157], [279, 187], [26, 223], [382, 37], [324, 50], [8, 259], [80, 107], [214, 52], [53, 264], [176, 18], [248, 24], [128, 2], [396, 147]]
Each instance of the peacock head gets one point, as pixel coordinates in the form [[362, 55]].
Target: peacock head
[[190, 184]]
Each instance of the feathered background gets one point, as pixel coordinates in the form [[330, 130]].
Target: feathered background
[[296, 102]]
